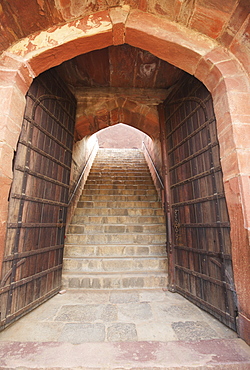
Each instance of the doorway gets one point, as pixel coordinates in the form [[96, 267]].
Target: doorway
[[45, 265]]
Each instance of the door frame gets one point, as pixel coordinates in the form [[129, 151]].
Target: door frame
[[217, 68]]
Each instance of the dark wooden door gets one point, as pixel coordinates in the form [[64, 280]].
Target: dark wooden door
[[201, 229], [38, 200]]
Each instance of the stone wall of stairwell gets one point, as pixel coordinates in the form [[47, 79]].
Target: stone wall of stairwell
[[81, 151], [154, 148]]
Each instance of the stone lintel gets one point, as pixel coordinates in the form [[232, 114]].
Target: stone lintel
[[143, 96]]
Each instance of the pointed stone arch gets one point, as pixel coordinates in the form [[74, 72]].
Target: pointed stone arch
[[93, 117], [191, 51]]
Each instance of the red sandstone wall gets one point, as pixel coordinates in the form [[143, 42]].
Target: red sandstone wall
[[154, 149], [82, 151]]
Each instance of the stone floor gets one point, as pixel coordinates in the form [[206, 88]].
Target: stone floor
[[152, 329]]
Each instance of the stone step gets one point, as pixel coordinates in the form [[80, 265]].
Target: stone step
[[117, 181], [119, 161], [100, 191], [119, 154], [105, 169], [125, 171], [119, 211], [111, 264], [121, 176], [115, 281], [115, 250], [120, 170], [120, 204], [118, 186], [115, 238], [136, 220], [120, 167], [116, 228], [117, 197]]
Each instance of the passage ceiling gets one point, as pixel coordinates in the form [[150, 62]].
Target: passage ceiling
[[119, 66], [118, 84]]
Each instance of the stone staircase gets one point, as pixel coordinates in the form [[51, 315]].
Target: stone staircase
[[117, 237]]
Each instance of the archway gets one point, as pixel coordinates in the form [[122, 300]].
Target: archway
[[120, 136], [215, 67]]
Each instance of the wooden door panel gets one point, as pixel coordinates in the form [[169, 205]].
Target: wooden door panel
[[38, 200], [201, 229]]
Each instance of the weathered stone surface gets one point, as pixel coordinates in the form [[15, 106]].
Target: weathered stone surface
[[87, 313], [118, 17], [193, 331], [81, 333], [123, 297], [134, 311], [121, 332], [176, 50]]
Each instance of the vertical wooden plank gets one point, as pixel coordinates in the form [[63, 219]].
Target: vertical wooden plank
[[38, 197], [200, 221]]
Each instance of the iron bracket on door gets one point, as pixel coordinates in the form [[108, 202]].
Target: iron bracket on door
[[177, 225]]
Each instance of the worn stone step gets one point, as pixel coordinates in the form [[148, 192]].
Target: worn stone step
[[117, 181], [119, 186], [119, 163], [120, 167], [125, 173], [122, 177], [82, 219], [100, 191], [111, 160], [120, 204], [116, 228], [120, 170], [120, 153], [115, 280], [117, 197], [115, 238], [111, 264], [119, 211], [119, 250]]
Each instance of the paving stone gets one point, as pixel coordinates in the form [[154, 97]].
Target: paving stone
[[134, 337], [87, 313], [154, 331], [168, 311], [121, 332], [134, 311], [173, 296], [94, 297], [81, 333], [193, 330], [152, 295], [28, 332], [123, 297]]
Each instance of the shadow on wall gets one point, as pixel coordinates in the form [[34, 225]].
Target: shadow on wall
[[121, 136]]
